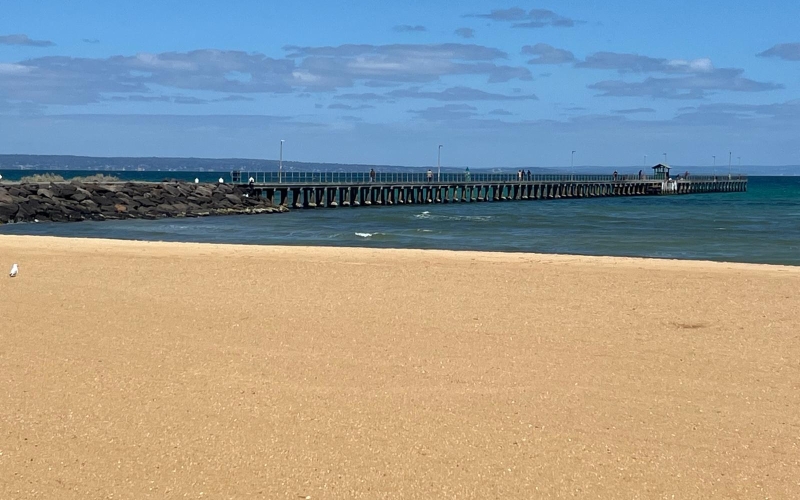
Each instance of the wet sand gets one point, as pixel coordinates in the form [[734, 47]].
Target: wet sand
[[162, 370]]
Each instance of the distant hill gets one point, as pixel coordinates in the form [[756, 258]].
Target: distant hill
[[63, 162], [147, 164]]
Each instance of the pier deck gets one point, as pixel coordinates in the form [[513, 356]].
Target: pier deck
[[330, 190]]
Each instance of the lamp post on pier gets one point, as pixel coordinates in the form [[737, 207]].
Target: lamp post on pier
[[644, 164], [730, 154], [280, 164], [439, 165], [572, 164], [665, 158], [715, 164]]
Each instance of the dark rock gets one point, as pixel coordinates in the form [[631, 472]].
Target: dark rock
[[202, 191], [173, 190], [223, 188], [100, 199], [80, 195], [45, 193], [200, 200], [144, 201], [29, 209], [8, 210], [63, 190]]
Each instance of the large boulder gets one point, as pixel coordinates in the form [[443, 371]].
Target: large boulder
[[6, 198], [45, 193], [63, 190], [80, 195], [104, 200], [29, 209], [144, 201], [223, 188], [7, 211], [202, 191], [173, 190]]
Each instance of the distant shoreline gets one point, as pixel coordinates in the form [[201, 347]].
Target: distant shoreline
[[100, 163]]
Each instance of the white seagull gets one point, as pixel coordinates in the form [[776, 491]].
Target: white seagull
[[14, 270]]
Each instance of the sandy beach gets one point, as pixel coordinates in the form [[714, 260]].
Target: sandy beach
[[162, 370]]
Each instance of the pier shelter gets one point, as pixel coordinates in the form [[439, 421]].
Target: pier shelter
[[661, 171]]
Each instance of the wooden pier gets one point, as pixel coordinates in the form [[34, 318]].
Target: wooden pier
[[330, 190]]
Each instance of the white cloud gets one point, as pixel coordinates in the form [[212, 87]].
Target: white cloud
[[13, 69]]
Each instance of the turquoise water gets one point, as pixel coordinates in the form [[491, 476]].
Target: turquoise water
[[760, 226]]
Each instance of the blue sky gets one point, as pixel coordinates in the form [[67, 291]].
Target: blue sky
[[505, 84]]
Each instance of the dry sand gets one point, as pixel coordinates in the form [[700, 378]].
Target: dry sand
[[152, 370]]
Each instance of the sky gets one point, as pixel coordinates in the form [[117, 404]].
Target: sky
[[619, 82]]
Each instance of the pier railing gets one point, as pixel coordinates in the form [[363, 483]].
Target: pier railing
[[294, 177]]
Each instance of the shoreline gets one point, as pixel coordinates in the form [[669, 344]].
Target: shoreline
[[156, 370], [489, 256]]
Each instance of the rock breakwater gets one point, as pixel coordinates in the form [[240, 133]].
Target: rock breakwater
[[77, 201]]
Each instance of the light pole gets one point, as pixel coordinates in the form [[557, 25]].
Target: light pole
[[715, 164], [729, 164], [665, 158], [280, 164], [572, 164], [739, 158], [439, 165], [645, 161]]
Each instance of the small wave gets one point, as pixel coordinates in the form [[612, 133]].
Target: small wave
[[473, 218], [365, 235]]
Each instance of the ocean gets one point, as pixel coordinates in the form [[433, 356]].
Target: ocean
[[759, 226]]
